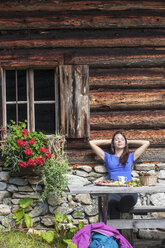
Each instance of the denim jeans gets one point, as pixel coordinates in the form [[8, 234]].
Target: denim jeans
[[120, 203]]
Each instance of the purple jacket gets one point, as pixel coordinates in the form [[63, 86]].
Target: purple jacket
[[82, 237]]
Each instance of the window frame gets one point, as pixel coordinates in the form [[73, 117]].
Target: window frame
[[30, 97]]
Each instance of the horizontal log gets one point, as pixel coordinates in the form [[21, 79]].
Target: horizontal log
[[79, 156], [87, 19], [117, 57], [127, 99], [127, 78], [102, 57], [156, 137], [83, 38], [58, 5], [127, 119], [31, 57]]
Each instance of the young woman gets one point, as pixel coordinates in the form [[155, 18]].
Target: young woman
[[119, 163]]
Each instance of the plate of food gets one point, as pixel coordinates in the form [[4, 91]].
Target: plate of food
[[110, 183]]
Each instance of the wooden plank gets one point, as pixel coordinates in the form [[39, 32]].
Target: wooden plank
[[42, 58], [126, 78], [147, 209], [145, 243], [58, 5], [149, 119], [105, 190], [85, 156], [117, 57], [156, 137], [127, 99], [141, 223], [15, 20], [102, 57], [74, 85], [83, 38]]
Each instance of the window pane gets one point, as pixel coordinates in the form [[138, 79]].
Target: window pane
[[11, 112], [21, 75], [44, 85], [45, 118], [10, 85], [22, 112]]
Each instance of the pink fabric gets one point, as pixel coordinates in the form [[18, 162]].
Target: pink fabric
[[82, 237]]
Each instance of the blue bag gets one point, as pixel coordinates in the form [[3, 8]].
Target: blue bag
[[99, 240]]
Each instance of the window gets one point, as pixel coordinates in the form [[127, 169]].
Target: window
[[30, 95], [49, 99]]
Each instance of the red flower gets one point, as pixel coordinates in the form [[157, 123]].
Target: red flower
[[48, 154], [28, 152], [20, 142], [43, 149], [31, 162], [32, 141], [39, 160], [3, 130], [25, 131], [22, 164]]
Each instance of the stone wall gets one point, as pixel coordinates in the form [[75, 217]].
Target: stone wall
[[81, 207]]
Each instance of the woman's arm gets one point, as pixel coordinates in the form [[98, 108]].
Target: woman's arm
[[94, 144], [144, 144]]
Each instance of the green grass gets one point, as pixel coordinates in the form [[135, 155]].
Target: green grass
[[21, 240]]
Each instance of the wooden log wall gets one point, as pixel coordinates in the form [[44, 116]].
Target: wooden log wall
[[123, 42]]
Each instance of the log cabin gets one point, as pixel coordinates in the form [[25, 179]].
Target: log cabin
[[85, 69]]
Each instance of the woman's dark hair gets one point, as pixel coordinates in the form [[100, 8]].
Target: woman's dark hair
[[124, 157]]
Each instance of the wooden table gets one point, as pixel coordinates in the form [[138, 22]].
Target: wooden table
[[102, 193]]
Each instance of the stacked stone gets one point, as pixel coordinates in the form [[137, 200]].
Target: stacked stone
[[80, 207]]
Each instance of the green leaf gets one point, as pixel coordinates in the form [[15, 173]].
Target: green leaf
[[18, 215], [81, 225], [48, 236], [59, 217], [28, 221], [25, 202], [69, 243]]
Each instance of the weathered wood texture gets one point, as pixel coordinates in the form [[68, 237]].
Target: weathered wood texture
[[59, 5], [86, 156], [74, 94], [127, 78], [82, 38], [100, 57], [94, 18], [132, 99], [152, 119]]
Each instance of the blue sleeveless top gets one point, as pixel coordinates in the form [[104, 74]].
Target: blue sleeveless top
[[116, 170]]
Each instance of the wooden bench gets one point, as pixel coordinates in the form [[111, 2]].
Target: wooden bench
[[127, 222]]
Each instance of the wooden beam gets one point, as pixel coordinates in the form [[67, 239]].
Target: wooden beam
[[86, 156], [156, 137], [108, 78], [90, 19], [137, 223], [149, 119], [58, 5], [82, 38], [100, 57], [117, 57], [127, 99]]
